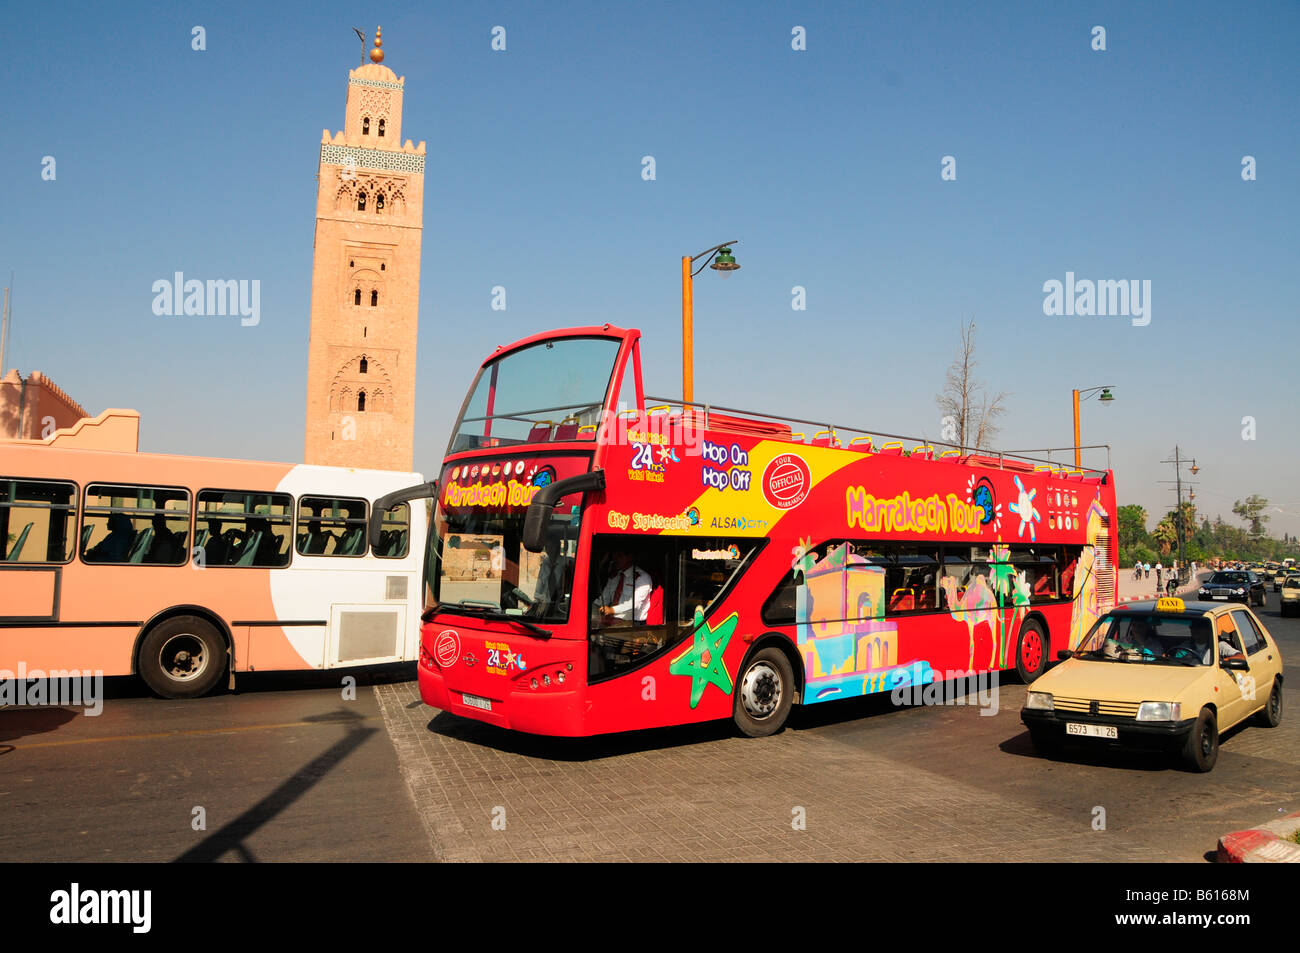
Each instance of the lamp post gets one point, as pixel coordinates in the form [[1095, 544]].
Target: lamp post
[[1179, 461], [1105, 397], [724, 264]]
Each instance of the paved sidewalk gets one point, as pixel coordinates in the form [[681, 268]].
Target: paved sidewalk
[[703, 794], [1130, 588]]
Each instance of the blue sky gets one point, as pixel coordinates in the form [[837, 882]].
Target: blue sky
[[825, 163]]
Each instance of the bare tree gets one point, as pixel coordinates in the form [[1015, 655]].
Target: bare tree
[[970, 414]]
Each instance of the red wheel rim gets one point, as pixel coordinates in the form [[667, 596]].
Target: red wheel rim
[[1032, 651]]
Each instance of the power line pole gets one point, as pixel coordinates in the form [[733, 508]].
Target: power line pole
[[1178, 461]]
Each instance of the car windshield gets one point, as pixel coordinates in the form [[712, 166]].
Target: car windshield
[[1137, 637], [549, 391], [1229, 579], [1292, 582]]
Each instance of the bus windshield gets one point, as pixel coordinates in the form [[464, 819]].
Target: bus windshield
[[552, 390], [478, 563]]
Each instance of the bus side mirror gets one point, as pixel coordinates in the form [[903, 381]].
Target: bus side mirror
[[538, 518], [421, 491]]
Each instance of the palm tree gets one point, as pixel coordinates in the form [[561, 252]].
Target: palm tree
[[1166, 535]]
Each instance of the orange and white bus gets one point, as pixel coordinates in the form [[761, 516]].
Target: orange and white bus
[[186, 570]]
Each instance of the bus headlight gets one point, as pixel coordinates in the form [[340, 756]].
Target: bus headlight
[[1160, 711], [1040, 701]]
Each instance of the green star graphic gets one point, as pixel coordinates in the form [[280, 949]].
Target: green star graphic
[[703, 660]]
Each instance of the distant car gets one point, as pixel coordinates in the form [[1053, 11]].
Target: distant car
[[1234, 585], [1291, 595], [1163, 674]]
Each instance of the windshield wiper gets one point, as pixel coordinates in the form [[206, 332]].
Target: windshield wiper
[[487, 610]]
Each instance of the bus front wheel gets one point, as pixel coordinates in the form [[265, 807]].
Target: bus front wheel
[[764, 693], [183, 657]]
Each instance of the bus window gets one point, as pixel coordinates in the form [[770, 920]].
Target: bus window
[[243, 528], [707, 567], [38, 521], [395, 537], [135, 525], [330, 526], [1035, 572], [911, 578], [628, 576]]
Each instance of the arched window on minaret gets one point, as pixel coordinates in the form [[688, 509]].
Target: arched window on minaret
[[381, 127], [361, 201], [374, 298], [365, 365], [361, 401], [379, 202], [356, 297], [365, 125]]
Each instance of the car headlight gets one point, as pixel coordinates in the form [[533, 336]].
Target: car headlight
[[1239, 591], [1160, 711], [1041, 701]]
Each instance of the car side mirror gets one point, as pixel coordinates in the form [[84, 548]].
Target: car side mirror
[[1236, 663], [1064, 654]]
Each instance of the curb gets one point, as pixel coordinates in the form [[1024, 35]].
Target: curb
[[1267, 844]]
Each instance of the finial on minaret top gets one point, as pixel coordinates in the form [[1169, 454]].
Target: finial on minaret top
[[377, 55]]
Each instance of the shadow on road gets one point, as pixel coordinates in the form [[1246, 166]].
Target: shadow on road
[[21, 722], [231, 837]]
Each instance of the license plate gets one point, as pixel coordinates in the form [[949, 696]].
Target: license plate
[[1091, 731], [473, 701], [1224, 598]]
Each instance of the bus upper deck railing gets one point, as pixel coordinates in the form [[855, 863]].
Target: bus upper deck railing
[[830, 434]]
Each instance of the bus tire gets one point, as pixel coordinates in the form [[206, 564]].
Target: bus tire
[[1031, 651], [182, 657], [764, 693]]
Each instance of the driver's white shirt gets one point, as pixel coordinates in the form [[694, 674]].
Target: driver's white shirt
[[637, 594]]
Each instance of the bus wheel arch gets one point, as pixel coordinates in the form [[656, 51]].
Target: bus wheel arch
[[1033, 647], [181, 635], [768, 683]]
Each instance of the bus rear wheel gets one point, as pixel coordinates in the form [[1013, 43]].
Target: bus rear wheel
[[764, 693], [1031, 651], [182, 657]]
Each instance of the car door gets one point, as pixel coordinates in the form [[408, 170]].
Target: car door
[[1235, 691], [1262, 654]]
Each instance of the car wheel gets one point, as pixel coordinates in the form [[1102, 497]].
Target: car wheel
[[1271, 715], [1031, 651], [183, 657], [1201, 749], [764, 693]]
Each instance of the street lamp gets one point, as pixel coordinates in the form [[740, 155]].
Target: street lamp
[[1105, 397], [724, 263]]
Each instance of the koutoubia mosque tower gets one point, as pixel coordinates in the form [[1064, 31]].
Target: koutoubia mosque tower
[[365, 291]]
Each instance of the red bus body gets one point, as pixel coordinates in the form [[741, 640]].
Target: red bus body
[[789, 505]]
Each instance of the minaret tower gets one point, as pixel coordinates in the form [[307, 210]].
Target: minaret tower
[[365, 290]]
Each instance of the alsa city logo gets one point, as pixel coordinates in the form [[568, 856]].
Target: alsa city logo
[[787, 481]]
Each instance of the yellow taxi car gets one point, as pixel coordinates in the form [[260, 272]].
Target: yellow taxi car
[[1160, 674], [1291, 595]]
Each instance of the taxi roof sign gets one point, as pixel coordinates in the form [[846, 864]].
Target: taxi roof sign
[[1170, 604]]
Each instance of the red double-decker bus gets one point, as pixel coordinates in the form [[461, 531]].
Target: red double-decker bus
[[603, 561]]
